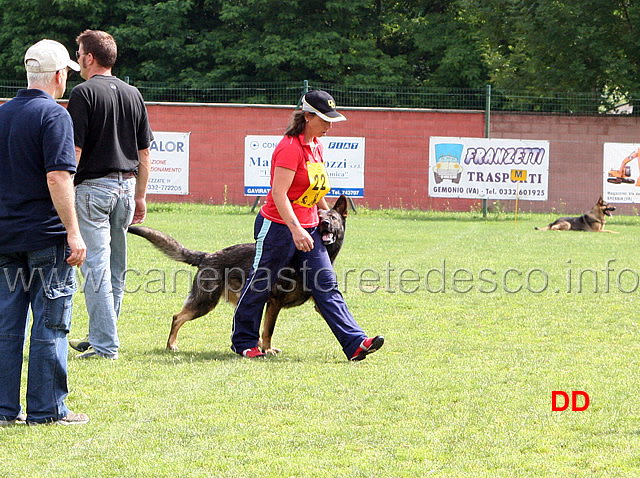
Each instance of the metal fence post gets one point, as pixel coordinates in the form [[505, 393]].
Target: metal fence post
[[487, 123], [305, 90]]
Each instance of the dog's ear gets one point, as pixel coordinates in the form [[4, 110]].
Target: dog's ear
[[341, 206], [600, 201]]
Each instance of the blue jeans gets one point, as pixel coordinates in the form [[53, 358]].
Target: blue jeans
[[274, 251], [45, 282], [105, 208]]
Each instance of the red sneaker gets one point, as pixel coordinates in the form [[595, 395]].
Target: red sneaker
[[368, 346], [253, 352]]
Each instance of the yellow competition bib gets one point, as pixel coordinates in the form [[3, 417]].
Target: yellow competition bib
[[318, 185]]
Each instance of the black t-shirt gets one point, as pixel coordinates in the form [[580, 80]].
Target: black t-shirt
[[111, 125]]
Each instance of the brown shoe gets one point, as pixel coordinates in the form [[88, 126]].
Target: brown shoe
[[73, 419], [70, 419]]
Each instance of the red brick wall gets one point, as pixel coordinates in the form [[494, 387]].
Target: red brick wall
[[396, 160], [397, 150], [576, 146]]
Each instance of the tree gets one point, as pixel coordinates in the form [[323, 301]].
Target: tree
[[530, 45], [575, 45], [324, 41], [438, 42]]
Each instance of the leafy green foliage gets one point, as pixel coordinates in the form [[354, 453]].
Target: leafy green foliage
[[582, 45], [196, 43], [559, 46]]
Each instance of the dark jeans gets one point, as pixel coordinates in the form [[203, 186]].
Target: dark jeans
[[43, 281]]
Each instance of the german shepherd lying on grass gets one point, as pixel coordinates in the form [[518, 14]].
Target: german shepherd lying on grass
[[228, 270], [593, 221]]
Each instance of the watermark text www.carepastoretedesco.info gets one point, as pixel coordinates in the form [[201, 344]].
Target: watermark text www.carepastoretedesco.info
[[445, 278], [441, 279]]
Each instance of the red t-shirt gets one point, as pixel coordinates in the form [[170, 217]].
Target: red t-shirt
[[294, 153]]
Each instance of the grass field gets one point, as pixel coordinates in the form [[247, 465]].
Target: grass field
[[482, 320]]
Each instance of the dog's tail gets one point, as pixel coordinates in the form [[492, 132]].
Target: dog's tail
[[168, 245]]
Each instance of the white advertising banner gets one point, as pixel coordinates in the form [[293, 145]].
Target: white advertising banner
[[621, 167], [343, 159], [169, 163], [482, 168]]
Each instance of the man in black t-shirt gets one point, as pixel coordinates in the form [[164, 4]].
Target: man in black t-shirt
[[112, 140]]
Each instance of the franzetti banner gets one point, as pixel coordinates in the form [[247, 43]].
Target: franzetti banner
[[481, 168], [621, 172], [169, 163], [343, 159]]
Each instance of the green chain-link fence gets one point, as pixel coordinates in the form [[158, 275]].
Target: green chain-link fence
[[374, 96]]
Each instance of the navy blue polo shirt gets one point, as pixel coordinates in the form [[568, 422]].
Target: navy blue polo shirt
[[36, 137]]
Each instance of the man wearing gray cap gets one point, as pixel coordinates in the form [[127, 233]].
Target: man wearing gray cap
[[40, 241]]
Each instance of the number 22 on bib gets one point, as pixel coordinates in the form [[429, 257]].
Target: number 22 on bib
[[318, 185]]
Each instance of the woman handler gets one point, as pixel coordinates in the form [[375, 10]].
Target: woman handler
[[286, 233]]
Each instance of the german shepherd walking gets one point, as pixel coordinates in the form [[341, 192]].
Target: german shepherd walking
[[228, 270], [592, 221]]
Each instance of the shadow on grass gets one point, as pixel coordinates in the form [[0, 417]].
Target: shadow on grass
[[188, 356]]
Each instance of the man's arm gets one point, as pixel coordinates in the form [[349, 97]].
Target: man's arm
[[144, 167], [60, 185]]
